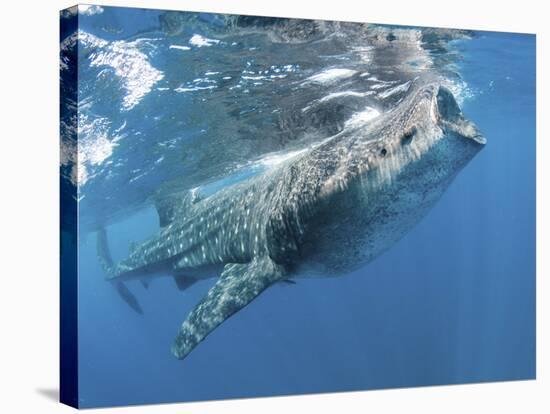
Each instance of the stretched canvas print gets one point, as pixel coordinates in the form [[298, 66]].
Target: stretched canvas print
[[260, 206]]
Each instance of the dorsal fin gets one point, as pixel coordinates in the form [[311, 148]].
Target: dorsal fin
[[170, 206], [132, 246]]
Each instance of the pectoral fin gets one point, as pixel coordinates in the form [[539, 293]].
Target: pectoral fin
[[237, 286]]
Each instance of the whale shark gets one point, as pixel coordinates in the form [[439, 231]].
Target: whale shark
[[324, 212]]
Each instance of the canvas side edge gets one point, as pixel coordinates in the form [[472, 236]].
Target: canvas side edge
[[68, 369]]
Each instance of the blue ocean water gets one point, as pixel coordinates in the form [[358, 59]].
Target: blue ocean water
[[452, 302]]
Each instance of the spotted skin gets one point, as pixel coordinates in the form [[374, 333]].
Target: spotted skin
[[324, 212], [237, 286]]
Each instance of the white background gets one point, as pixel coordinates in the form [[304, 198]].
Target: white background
[[29, 206]]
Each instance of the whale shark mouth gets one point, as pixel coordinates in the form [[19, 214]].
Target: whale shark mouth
[[452, 117], [475, 135]]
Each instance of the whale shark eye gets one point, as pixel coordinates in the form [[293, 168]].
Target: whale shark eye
[[383, 152], [408, 136]]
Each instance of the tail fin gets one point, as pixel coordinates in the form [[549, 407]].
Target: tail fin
[[128, 297], [106, 261], [103, 251]]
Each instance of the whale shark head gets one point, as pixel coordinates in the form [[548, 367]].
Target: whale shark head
[[385, 176], [426, 137]]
